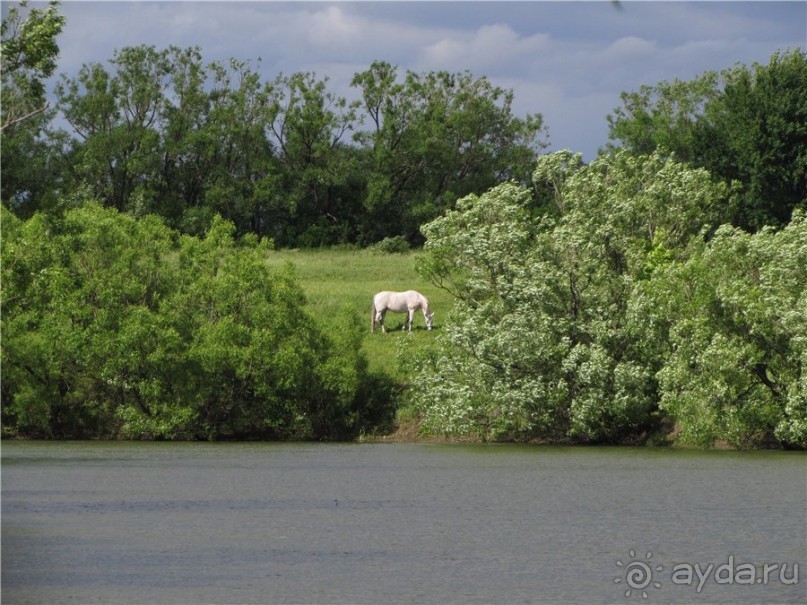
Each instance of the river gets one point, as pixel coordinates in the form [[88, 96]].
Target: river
[[119, 522]]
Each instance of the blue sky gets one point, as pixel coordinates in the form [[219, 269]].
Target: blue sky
[[568, 61]]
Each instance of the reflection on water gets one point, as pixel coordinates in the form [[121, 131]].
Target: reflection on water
[[394, 523]]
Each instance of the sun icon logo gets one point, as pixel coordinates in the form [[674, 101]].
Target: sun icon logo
[[638, 574]]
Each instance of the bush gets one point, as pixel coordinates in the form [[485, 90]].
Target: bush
[[392, 245], [119, 326]]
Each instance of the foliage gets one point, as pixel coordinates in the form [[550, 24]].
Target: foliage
[[575, 319], [27, 57], [317, 173], [435, 137], [598, 303], [747, 124], [735, 370], [392, 245], [756, 133], [114, 325], [160, 131], [665, 115]]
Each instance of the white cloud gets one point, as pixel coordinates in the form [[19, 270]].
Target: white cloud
[[496, 46], [630, 47]]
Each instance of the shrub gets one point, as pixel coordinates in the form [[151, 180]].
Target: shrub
[[114, 325], [392, 245]]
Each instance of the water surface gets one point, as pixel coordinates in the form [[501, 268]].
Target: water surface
[[397, 523]]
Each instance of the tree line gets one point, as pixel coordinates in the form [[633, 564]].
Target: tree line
[[163, 132], [746, 125]]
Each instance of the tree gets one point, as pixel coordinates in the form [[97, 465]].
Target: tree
[[162, 132], [436, 137], [239, 170], [82, 335], [118, 326], [744, 124], [189, 149], [755, 132], [551, 336], [28, 54], [117, 119], [736, 367], [27, 57], [309, 131], [664, 116]]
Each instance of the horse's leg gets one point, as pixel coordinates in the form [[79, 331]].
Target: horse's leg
[[380, 318], [410, 319]]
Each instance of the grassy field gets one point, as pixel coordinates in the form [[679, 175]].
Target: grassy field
[[335, 278]]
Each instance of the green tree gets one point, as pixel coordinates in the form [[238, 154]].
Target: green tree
[[79, 304], [755, 132], [664, 116], [117, 119], [162, 132], [118, 326], [746, 124], [189, 149], [309, 131], [433, 138], [28, 54], [27, 57], [239, 172]]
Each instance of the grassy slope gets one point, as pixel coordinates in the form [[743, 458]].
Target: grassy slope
[[334, 278]]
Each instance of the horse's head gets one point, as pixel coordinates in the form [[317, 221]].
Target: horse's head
[[429, 315]]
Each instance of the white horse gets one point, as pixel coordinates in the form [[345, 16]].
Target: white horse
[[399, 302]]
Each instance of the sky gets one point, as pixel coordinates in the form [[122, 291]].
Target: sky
[[568, 61]]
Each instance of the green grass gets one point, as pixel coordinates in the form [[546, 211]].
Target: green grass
[[335, 278]]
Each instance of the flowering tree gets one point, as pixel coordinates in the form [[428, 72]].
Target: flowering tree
[[553, 334]]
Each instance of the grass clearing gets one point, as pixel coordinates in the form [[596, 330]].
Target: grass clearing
[[335, 278]]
